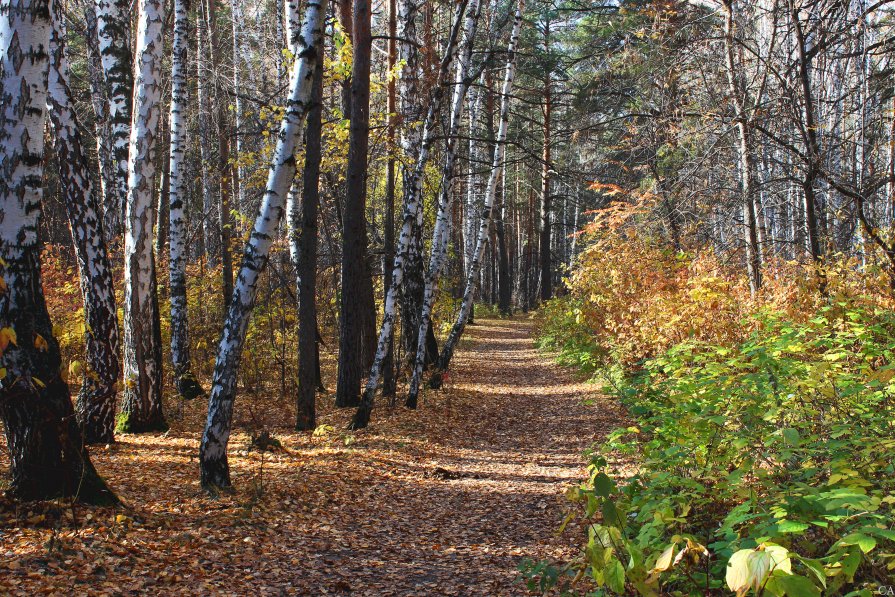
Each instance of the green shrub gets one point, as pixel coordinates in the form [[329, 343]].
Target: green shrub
[[766, 467]]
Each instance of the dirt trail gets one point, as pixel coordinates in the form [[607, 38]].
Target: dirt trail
[[443, 501]]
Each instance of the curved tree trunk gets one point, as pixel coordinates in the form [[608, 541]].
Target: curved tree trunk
[[411, 220], [141, 409], [46, 452], [215, 470], [499, 148], [441, 232], [96, 399]]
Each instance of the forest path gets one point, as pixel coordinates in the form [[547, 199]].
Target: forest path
[[477, 484], [446, 500]]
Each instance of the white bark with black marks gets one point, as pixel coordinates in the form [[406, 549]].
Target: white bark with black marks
[[142, 406], [113, 36], [407, 239], [215, 471], [178, 185], [96, 399], [491, 190], [46, 453], [445, 199]]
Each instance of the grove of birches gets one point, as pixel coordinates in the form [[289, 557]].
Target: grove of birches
[[288, 216]]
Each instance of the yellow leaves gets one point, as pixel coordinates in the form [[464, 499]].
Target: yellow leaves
[[7, 337]]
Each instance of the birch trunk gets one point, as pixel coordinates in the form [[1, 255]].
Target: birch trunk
[[113, 35], [46, 454], [102, 127], [178, 185], [215, 471], [96, 399], [411, 219], [142, 406], [737, 90], [445, 201], [499, 148]]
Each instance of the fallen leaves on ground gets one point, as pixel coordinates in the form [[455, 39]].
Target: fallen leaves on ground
[[445, 500]]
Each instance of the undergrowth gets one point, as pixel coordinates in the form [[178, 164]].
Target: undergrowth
[[764, 427]]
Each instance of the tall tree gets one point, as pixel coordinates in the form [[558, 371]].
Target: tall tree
[[440, 233], [309, 379], [113, 35], [215, 470], [186, 382], [46, 453], [450, 344], [142, 406], [96, 399], [355, 270], [412, 214], [739, 94]]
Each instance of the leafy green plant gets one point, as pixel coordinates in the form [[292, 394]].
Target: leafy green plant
[[766, 464]]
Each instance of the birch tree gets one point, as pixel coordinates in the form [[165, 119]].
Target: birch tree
[[142, 406], [113, 36], [186, 382], [450, 344], [445, 199], [97, 397], [412, 213], [215, 471], [46, 454]]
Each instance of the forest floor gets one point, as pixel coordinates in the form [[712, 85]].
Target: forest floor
[[446, 500]]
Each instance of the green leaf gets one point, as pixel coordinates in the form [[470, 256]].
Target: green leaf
[[791, 436], [861, 540], [614, 575], [603, 485], [611, 515], [791, 585], [790, 526]]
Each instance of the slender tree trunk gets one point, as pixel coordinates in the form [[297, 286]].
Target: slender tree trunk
[[504, 280], [546, 170], [499, 148], [186, 382], [813, 146], [308, 348], [96, 399], [223, 166], [440, 234], [102, 126], [389, 383], [210, 234], [412, 212], [354, 233], [46, 452], [113, 33], [738, 93], [142, 406], [215, 471]]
